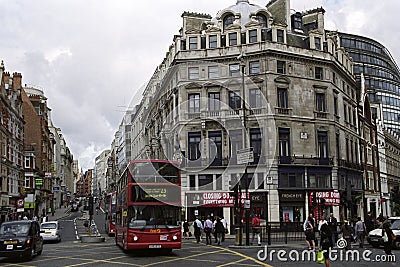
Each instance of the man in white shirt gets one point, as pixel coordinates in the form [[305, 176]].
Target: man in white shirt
[[225, 223], [197, 229], [208, 226]]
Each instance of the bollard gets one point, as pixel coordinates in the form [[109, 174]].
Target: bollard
[[269, 234]]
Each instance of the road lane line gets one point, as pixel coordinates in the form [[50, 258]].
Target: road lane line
[[111, 260], [232, 262], [244, 256], [180, 259]]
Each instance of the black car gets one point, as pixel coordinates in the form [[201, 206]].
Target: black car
[[20, 239]]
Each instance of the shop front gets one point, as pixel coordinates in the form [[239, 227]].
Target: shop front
[[322, 203], [259, 205], [292, 206], [203, 204]]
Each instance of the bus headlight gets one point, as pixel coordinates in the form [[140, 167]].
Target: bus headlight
[[135, 238], [175, 237]]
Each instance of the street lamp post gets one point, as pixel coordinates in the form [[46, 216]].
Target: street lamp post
[[246, 177]]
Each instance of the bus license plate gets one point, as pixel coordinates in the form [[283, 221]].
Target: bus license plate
[[154, 246], [163, 237]]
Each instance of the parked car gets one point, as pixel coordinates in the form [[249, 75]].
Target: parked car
[[50, 231], [20, 239], [375, 236]]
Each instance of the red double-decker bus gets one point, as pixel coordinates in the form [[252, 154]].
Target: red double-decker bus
[[148, 211], [110, 204]]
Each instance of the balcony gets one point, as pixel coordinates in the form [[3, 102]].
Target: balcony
[[320, 114], [350, 165], [283, 111], [223, 114], [304, 160]]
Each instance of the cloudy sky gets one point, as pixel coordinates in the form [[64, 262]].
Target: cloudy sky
[[91, 56]]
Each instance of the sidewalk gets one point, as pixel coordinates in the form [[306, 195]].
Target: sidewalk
[[230, 241], [59, 214]]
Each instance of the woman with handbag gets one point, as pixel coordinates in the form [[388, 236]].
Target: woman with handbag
[[309, 232], [388, 237]]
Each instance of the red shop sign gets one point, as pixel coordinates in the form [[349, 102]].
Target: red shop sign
[[332, 198]]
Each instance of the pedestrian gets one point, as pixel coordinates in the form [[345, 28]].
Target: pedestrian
[[388, 238], [208, 227], [309, 226], [214, 233], [219, 230], [346, 232], [197, 229], [255, 223], [368, 222], [326, 242], [332, 222], [225, 223], [360, 230], [185, 229], [321, 222]]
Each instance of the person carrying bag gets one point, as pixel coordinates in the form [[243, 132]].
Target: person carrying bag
[[388, 238]]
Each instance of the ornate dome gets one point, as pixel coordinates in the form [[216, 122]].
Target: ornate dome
[[242, 7]]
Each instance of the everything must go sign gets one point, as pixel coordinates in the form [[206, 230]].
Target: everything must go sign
[[332, 198]]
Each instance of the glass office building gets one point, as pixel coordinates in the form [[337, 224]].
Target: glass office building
[[382, 75]]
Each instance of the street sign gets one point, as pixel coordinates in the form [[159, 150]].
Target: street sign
[[245, 155], [38, 181], [247, 204], [20, 203]]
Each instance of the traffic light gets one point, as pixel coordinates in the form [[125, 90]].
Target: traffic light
[[395, 195], [314, 199]]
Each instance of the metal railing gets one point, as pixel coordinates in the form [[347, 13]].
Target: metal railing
[[279, 232]]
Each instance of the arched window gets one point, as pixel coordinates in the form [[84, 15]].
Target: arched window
[[262, 20], [228, 20]]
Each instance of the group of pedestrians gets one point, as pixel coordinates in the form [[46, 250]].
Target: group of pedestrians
[[329, 233], [218, 228]]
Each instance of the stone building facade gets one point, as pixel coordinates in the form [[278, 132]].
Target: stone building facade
[[299, 113]]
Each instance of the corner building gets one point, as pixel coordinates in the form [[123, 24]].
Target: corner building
[[295, 78]]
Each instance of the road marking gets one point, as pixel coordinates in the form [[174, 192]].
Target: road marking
[[76, 230], [183, 258], [232, 262], [110, 260], [243, 256]]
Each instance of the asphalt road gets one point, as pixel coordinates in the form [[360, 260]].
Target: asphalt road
[[71, 252]]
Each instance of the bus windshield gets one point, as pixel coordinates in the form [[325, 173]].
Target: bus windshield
[[154, 172], [149, 217]]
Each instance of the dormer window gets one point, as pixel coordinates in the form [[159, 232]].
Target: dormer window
[[280, 36], [317, 42], [262, 20], [297, 23], [228, 20], [192, 43]]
